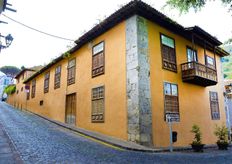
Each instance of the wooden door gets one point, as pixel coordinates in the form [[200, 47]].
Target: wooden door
[[70, 111]]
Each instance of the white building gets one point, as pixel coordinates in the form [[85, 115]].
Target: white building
[[228, 103], [4, 81]]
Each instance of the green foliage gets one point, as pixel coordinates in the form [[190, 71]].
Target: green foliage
[[10, 89], [222, 133], [197, 135], [185, 5], [66, 54], [10, 70]]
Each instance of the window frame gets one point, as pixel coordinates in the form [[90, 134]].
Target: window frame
[[193, 50], [214, 115], [213, 66], [71, 80], [95, 55], [170, 65], [33, 88], [174, 114], [57, 77], [46, 81], [93, 100]]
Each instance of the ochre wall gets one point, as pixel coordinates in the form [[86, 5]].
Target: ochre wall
[[114, 80], [194, 105], [18, 99]]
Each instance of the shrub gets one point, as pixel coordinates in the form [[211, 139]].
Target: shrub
[[197, 135]]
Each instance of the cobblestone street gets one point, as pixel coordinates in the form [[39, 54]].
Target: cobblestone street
[[39, 141]]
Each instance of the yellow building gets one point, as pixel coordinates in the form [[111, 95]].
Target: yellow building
[[18, 99], [127, 74]]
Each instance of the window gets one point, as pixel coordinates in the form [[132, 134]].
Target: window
[[98, 106], [171, 102], [41, 102], [71, 71], [28, 94], [57, 77], [191, 54], [98, 59], [168, 53], [209, 61], [27, 89], [21, 89], [213, 97], [33, 88], [46, 82]]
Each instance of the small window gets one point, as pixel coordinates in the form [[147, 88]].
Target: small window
[[171, 102], [209, 61], [28, 94], [191, 54], [98, 107], [214, 106], [17, 91], [71, 71], [33, 88], [57, 77], [98, 59], [41, 103], [21, 89], [168, 53], [46, 82]]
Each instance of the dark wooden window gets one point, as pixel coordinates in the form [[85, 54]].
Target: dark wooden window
[[171, 100], [191, 55], [46, 82], [168, 53], [57, 77], [209, 61], [98, 62], [33, 88], [28, 94], [71, 71], [98, 106], [214, 106], [41, 103]]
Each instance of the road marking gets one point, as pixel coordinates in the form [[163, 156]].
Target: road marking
[[101, 142]]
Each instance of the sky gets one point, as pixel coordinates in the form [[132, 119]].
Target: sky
[[71, 18]]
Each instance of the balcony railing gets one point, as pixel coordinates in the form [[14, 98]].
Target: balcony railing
[[196, 73]]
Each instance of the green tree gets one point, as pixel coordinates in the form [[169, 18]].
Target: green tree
[[10, 70], [185, 5]]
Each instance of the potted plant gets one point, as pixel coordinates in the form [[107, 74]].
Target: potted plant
[[197, 145], [222, 134]]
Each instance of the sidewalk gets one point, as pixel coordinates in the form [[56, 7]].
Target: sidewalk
[[111, 140], [8, 154], [117, 142]]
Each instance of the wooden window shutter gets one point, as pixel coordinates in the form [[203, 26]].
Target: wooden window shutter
[[98, 107]]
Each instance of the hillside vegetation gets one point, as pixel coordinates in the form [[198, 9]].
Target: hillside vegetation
[[227, 63]]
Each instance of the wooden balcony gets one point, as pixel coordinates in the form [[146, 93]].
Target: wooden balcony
[[199, 74]]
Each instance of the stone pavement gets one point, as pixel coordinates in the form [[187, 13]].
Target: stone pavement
[[8, 154]]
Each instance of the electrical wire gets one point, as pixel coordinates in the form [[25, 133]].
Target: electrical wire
[[45, 33]]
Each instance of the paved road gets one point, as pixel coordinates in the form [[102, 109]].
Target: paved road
[[39, 141]]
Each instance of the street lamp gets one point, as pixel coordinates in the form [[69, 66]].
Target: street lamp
[[8, 41]]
